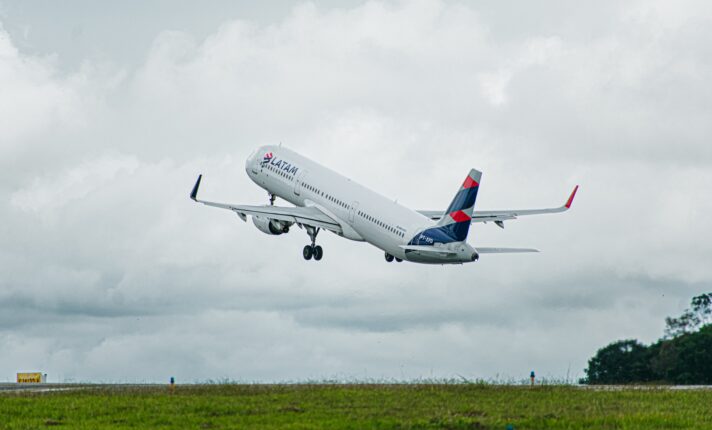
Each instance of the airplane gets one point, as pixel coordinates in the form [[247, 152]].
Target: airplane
[[325, 200]]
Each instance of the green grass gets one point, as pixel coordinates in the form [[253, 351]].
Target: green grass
[[369, 406]]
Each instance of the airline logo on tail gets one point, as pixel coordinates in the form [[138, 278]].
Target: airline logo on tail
[[454, 226], [460, 210]]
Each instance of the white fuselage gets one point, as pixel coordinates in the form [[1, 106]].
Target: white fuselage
[[364, 215]]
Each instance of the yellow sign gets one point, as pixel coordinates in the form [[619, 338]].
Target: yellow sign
[[29, 378]]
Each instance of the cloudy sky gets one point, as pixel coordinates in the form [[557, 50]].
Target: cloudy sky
[[108, 111]]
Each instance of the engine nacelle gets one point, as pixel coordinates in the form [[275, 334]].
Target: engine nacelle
[[271, 226]]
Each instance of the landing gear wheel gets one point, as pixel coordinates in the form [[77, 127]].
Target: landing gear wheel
[[389, 257], [312, 250], [307, 252], [272, 197], [400, 260]]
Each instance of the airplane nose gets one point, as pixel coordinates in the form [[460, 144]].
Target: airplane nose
[[250, 161]]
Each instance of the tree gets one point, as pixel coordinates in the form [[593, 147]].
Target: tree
[[698, 315], [683, 356], [621, 362], [690, 358]]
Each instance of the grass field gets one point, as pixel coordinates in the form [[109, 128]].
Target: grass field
[[369, 406]]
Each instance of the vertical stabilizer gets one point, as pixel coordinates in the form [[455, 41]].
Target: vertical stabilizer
[[455, 222], [458, 215]]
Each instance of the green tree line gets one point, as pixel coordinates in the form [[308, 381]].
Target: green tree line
[[683, 356]]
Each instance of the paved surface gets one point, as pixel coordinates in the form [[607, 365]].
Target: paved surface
[[15, 388], [44, 388]]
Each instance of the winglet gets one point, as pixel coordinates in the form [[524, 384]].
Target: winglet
[[571, 198], [194, 193]]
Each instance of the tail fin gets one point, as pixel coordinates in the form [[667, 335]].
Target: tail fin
[[455, 223], [458, 216]]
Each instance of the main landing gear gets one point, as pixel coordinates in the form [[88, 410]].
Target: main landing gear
[[390, 258], [312, 250], [272, 197]]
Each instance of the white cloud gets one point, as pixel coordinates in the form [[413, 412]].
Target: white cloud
[[537, 51], [32, 99], [49, 194]]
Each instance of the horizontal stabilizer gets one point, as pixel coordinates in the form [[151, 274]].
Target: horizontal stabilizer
[[427, 249], [504, 250]]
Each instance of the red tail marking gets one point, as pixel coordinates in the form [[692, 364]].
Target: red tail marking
[[571, 198], [460, 216], [469, 183]]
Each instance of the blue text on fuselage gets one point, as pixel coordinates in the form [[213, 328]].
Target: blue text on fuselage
[[285, 166]]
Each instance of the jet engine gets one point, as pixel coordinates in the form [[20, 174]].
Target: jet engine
[[271, 226]]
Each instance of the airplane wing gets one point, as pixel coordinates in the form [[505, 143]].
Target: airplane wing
[[503, 215], [311, 216]]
